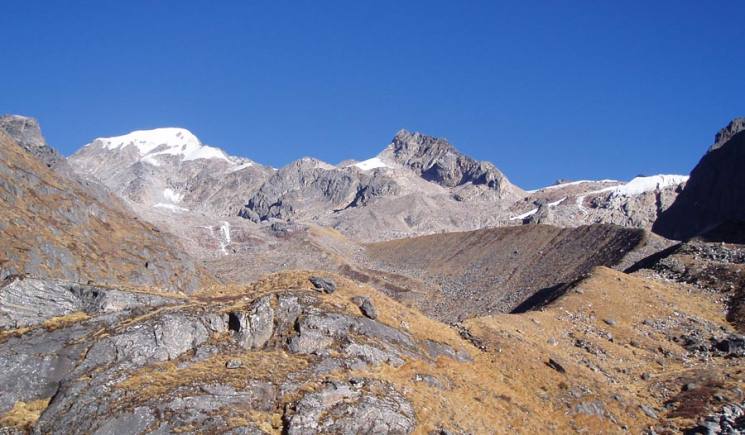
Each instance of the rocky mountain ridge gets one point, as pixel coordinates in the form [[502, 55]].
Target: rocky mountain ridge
[[417, 185]]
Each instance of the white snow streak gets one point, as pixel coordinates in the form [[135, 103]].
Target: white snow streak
[[535, 210], [224, 236], [171, 207], [369, 164], [571, 183]]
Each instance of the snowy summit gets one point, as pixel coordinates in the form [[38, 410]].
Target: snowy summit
[[163, 141]]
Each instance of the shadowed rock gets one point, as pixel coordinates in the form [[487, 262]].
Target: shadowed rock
[[714, 194]]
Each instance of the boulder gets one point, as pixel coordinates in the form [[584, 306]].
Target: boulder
[[366, 306], [323, 284]]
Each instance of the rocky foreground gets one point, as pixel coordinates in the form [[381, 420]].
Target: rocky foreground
[[296, 354]]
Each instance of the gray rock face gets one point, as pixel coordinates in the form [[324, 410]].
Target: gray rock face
[[365, 406], [542, 216], [26, 132], [255, 327], [309, 185], [29, 302], [730, 421], [714, 194]]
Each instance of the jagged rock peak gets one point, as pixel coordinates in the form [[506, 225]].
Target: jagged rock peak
[[436, 160], [407, 140], [23, 129], [735, 126]]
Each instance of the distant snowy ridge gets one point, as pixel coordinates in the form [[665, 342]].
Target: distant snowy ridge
[[641, 185], [571, 183], [169, 141], [636, 186]]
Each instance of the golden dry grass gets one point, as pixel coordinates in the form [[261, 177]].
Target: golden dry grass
[[50, 324], [508, 387], [23, 415], [156, 380], [66, 320]]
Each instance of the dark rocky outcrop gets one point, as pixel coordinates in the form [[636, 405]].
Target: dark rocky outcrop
[[309, 185], [323, 284], [26, 132], [724, 135], [714, 194], [366, 306]]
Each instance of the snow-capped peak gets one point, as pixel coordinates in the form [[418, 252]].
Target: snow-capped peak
[[163, 141]]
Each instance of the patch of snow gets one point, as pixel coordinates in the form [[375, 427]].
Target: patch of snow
[[637, 186], [171, 207], [172, 196], [369, 164], [641, 185], [653, 183], [524, 215], [535, 210], [571, 183]]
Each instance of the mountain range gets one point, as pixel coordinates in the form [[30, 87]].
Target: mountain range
[[416, 185]]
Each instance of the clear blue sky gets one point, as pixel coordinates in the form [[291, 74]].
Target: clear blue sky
[[545, 90]]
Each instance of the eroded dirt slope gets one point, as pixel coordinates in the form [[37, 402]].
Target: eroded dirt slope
[[468, 274]]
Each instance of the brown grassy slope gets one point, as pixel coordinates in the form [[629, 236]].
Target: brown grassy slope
[[475, 273], [54, 227], [614, 361], [613, 336]]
